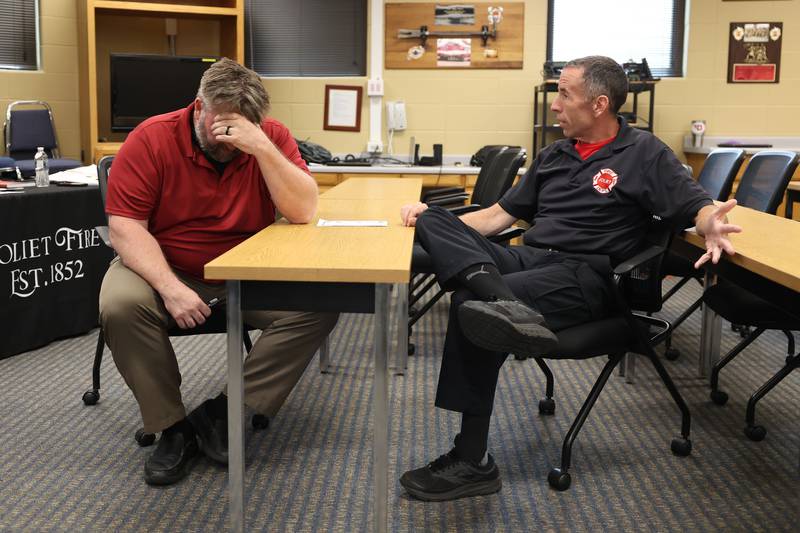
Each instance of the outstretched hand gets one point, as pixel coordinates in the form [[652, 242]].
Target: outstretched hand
[[713, 225]]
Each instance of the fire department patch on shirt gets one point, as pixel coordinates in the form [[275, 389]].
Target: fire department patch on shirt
[[604, 181]]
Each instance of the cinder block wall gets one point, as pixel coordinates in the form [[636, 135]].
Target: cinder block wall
[[466, 109]]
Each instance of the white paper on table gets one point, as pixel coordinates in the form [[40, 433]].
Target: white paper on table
[[87, 174], [351, 223]]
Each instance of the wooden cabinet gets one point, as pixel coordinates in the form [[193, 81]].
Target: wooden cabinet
[[204, 28]]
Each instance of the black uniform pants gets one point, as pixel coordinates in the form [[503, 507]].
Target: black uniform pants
[[563, 287]]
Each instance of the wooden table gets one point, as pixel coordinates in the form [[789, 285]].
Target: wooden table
[[767, 262], [305, 267]]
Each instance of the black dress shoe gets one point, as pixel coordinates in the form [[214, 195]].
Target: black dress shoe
[[212, 432], [449, 477], [506, 326], [172, 459]]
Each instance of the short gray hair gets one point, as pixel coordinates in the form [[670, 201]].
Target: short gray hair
[[603, 75], [229, 86]]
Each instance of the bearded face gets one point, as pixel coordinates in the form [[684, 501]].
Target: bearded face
[[203, 119]]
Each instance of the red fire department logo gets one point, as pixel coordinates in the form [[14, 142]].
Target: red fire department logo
[[604, 181]]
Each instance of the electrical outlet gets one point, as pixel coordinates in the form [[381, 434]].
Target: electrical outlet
[[374, 147], [375, 87]]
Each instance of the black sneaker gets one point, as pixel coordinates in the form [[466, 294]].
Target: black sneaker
[[449, 477], [506, 326], [172, 459], [212, 432]]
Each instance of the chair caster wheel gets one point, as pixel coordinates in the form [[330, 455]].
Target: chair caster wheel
[[547, 406], [719, 397], [519, 358], [672, 354], [91, 397], [411, 349], [260, 421], [144, 439], [559, 480], [681, 447], [755, 433]]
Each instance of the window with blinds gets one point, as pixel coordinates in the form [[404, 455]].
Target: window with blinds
[[18, 47], [306, 37], [621, 29]]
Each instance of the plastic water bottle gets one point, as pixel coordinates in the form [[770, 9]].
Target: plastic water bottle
[[40, 165]]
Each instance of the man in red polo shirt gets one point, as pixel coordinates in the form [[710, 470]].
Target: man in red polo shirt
[[186, 187]]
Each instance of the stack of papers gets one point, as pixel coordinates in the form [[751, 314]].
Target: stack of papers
[[351, 223], [87, 175]]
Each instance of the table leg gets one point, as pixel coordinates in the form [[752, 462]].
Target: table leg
[[630, 367], [380, 439], [235, 408], [710, 333], [324, 355], [401, 360]]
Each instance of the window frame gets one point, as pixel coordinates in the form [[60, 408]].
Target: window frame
[[677, 52], [37, 22], [301, 71]]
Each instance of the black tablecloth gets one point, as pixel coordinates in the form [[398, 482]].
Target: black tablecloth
[[51, 265]]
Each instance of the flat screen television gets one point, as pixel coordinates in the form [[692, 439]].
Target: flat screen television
[[146, 85]]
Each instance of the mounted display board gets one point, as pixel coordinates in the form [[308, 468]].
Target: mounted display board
[[454, 36], [754, 52]]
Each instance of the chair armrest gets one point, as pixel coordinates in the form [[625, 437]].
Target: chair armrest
[[103, 232], [638, 260], [507, 234], [442, 192], [455, 199], [461, 209]]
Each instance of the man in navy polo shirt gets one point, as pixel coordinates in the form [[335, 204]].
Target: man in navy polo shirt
[[590, 198]]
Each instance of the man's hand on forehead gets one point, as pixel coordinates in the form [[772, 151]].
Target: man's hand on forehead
[[236, 130]]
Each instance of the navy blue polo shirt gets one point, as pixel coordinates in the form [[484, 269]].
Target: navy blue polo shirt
[[604, 204]]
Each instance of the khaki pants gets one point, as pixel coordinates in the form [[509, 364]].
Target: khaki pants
[[135, 323]]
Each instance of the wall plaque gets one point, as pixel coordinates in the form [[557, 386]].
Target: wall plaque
[[754, 52]]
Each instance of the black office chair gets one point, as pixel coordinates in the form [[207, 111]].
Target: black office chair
[[490, 186], [636, 286], [456, 196], [740, 306], [27, 129], [216, 323], [762, 187], [717, 177]]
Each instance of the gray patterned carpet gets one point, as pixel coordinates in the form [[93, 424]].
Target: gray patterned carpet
[[67, 467]]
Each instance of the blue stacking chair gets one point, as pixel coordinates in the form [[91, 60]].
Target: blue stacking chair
[[9, 169], [27, 129]]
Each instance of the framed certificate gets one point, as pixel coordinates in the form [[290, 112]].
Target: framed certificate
[[342, 108]]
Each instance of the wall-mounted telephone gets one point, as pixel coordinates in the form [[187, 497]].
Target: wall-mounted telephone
[[396, 116]]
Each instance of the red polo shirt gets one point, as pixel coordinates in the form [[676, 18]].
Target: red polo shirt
[[195, 214]]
